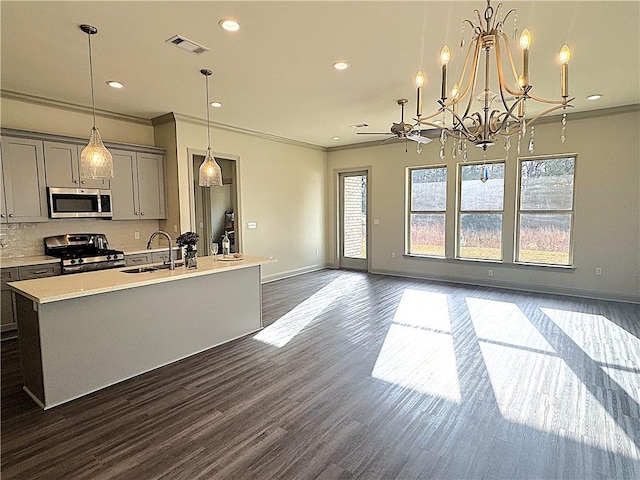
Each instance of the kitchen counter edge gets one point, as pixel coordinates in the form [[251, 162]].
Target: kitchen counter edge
[[66, 287]]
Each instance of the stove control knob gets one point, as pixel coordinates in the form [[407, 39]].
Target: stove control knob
[[80, 260], [73, 260], [108, 257]]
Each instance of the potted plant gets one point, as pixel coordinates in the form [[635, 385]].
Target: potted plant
[[188, 241]]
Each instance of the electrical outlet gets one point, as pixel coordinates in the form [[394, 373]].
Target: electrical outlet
[[598, 271], [317, 251], [136, 235], [393, 254], [490, 273]]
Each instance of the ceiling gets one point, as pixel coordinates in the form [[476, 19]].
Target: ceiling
[[275, 74]]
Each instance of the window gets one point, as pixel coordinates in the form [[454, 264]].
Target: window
[[428, 203], [480, 211], [545, 211]]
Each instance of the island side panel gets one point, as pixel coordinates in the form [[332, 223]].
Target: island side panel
[[91, 342], [30, 356]]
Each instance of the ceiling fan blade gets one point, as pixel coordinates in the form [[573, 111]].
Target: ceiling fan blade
[[416, 137], [374, 133], [386, 140]]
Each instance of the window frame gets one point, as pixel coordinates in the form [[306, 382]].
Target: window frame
[[460, 212], [519, 211], [409, 211]]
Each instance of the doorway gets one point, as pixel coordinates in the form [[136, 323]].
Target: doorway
[[215, 209], [354, 225]]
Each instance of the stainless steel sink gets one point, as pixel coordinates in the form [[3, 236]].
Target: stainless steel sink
[[150, 268]]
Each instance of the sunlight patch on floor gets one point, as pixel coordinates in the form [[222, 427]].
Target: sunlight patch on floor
[[417, 352], [598, 336], [283, 330], [504, 322], [533, 387]]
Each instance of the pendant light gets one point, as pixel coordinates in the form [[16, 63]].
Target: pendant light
[[210, 173], [95, 159]]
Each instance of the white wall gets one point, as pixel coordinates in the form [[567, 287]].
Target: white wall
[[607, 209], [281, 188]]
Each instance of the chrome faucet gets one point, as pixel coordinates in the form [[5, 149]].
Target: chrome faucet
[[172, 262]]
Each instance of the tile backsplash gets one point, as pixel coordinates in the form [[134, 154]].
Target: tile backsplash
[[26, 239]]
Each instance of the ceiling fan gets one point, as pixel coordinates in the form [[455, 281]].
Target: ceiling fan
[[404, 130]]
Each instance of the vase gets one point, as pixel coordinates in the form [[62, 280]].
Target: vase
[[190, 259]]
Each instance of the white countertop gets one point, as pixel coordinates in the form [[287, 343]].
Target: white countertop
[[65, 287], [26, 261]]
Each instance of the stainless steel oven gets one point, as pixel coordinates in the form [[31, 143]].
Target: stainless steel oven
[[79, 203]]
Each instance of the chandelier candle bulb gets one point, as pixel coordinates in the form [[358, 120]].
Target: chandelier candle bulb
[[454, 97], [419, 84], [445, 56], [525, 43], [565, 56]]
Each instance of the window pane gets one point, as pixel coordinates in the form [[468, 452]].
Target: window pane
[[429, 189], [481, 236], [545, 238], [476, 195], [427, 234], [547, 184]]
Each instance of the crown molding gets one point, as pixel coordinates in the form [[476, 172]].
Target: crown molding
[[179, 117], [602, 112], [71, 107]]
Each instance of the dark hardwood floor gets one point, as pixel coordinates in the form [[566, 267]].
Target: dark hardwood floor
[[362, 376]]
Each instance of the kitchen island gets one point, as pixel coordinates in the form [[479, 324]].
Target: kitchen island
[[83, 332]]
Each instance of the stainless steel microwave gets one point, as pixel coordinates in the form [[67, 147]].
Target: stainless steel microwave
[[79, 203]]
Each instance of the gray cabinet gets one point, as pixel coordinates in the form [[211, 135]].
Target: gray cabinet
[[24, 195], [150, 257], [13, 274], [138, 189], [62, 164], [137, 259]]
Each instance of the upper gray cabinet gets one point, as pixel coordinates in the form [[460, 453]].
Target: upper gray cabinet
[[137, 189], [62, 162], [24, 195]]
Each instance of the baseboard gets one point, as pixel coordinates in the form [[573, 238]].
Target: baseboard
[[291, 273], [571, 292]]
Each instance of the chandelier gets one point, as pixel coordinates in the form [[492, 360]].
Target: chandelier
[[502, 112]]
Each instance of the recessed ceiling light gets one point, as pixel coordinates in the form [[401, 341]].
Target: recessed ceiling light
[[115, 84], [595, 96], [229, 24], [335, 138], [216, 104], [341, 65]]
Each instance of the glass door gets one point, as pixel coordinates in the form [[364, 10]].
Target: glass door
[[353, 220]]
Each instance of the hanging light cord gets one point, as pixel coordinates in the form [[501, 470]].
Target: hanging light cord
[[206, 80], [93, 101]]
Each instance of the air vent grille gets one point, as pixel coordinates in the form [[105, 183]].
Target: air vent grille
[[359, 125], [186, 44]]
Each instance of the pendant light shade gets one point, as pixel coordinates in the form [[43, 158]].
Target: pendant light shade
[[95, 159], [210, 173]]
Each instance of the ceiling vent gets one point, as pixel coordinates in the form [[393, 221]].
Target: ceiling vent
[[359, 125], [188, 45]]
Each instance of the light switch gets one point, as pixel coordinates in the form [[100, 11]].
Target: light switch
[[376, 221], [252, 225]]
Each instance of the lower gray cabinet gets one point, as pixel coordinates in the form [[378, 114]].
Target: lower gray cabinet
[[8, 320], [14, 274], [137, 259]]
